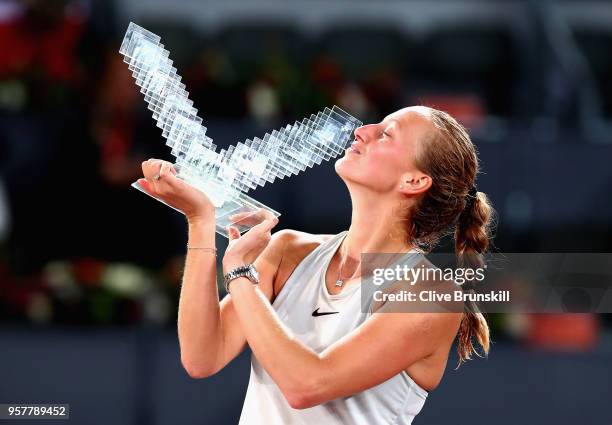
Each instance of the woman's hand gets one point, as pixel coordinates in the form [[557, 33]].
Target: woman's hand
[[161, 182], [245, 249]]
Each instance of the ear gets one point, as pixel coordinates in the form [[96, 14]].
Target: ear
[[414, 183]]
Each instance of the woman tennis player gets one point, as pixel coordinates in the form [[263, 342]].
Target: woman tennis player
[[317, 359]]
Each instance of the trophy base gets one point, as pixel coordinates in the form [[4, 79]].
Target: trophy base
[[242, 212]]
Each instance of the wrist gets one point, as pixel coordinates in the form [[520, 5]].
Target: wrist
[[230, 263], [201, 234], [246, 272], [197, 227], [202, 217], [236, 284]]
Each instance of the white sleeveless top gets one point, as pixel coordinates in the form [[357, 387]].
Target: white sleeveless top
[[395, 401]]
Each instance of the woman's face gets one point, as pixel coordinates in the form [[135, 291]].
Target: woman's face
[[383, 155]]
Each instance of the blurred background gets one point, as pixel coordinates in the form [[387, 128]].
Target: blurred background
[[90, 269]]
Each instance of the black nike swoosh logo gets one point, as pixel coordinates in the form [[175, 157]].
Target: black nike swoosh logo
[[317, 314]]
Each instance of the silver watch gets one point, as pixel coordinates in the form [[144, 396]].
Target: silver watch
[[249, 271]]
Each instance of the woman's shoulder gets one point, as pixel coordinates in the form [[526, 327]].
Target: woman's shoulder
[[301, 238], [294, 246]]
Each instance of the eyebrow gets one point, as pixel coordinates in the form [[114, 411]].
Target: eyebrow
[[393, 121]]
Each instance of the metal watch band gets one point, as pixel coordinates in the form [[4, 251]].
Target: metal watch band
[[247, 271]]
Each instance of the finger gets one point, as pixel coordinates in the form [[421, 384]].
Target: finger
[[271, 223], [144, 184], [248, 218], [165, 170], [150, 168], [233, 233], [265, 226], [265, 214], [164, 176], [240, 216], [155, 168], [261, 213], [145, 168]]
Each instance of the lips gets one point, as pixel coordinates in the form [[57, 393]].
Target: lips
[[355, 148]]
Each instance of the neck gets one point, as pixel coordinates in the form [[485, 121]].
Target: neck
[[375, 226]]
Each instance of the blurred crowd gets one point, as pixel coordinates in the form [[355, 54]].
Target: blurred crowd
[[74, 128]]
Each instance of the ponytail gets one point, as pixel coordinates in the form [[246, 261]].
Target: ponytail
[[471, 242], [452, 202]]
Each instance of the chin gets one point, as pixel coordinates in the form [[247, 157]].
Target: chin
[[356, 175], [341, 167], [346, 170]]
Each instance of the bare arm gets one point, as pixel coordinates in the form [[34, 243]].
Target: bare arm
[[209, 331], [199, 316], [380, 348]]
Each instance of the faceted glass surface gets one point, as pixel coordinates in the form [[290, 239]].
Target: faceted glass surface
[[227, 175]]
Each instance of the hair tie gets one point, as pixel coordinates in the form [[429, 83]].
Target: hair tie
[[471, 197]]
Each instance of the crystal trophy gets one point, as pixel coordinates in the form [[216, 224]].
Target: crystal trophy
[[227, 175]]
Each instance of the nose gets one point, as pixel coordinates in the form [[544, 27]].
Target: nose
[[365, 132]]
